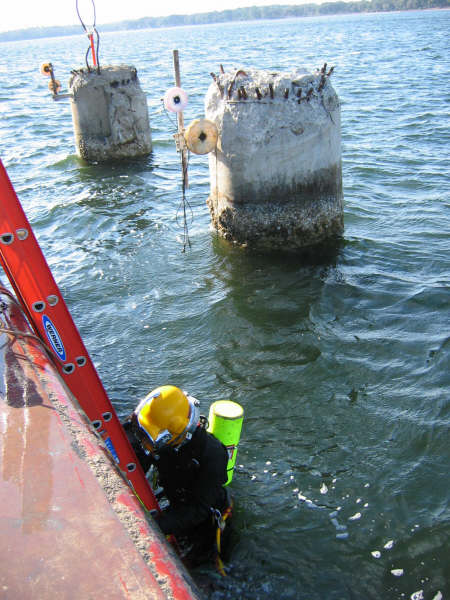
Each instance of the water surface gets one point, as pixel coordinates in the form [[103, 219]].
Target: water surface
[[340, 362]]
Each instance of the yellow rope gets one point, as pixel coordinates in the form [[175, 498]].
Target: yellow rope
[[219, 562]]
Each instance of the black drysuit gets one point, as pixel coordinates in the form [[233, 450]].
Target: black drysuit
[[192, 478]]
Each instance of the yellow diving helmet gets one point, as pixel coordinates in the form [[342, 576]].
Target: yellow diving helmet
[[166, 417]]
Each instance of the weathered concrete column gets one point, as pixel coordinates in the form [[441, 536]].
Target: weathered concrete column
[[276, 180], [110, 114]]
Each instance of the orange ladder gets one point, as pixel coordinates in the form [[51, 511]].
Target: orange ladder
[[30, 276]]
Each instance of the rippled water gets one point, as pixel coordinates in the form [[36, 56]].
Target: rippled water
[[341, 363]]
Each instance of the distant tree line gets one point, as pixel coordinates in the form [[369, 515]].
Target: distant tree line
[[239, 14]]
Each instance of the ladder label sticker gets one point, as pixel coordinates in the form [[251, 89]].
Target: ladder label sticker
[[111, 448], [54, 337]]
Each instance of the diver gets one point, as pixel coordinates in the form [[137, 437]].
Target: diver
[[168, 433]]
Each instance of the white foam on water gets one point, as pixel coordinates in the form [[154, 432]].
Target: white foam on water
[[355, 517], [306, 500]]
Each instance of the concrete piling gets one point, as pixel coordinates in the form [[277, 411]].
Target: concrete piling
[[110, 114], [275, 177]]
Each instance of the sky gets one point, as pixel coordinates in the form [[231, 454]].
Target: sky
[[21, 14]]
